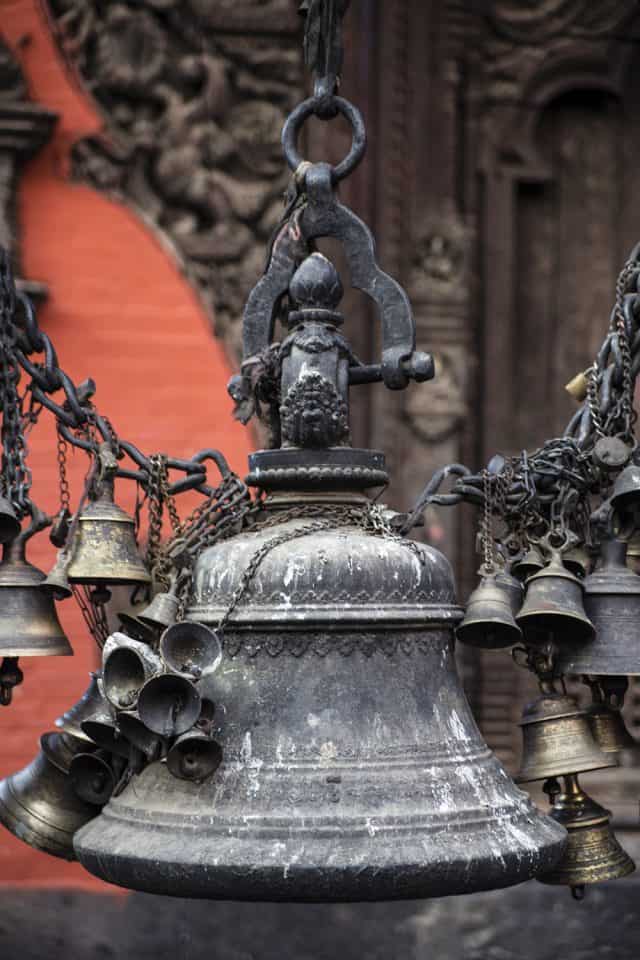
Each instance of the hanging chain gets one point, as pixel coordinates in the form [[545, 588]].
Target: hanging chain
[[626, 386], [65, 494], [155, 490], [16, 476]]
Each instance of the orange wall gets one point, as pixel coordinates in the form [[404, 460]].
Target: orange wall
[[118, 311]]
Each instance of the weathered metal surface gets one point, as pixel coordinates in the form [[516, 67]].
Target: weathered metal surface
[[104, 550], [39, 806], [351, 765], [29, 625], [612, 601], [557, 740]]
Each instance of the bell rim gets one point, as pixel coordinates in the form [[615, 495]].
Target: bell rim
[[560, 770], [33, 649], [342, 881]]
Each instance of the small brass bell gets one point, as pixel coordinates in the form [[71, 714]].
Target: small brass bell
[[100, 728], [609, 729], [9, 523], [104, 549], [159, 614], [127, 665], [169, 705], [57, 580], [90, 702], [39, 806], [191, 649], [194, 756], [625, 499], [531, 562], [553, 605], [557, 739], [592, 854], [92, 777], [612, 601], [29, 626], [488, 621], [577, 561], [143, 739], [607, 723], [107, 735]]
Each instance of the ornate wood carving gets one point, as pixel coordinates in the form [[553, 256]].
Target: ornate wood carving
[[24, 128], [193, 96]]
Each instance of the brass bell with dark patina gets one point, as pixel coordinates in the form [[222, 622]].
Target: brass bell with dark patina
[[529, 563], [612, 601], [29, 626], [92, 776], [87, 706], [592, 854], [159, 614], [489, 617], [57, 580], [625, 498], [9, 523], [351, 767], [609, 729], [104, 549], [553, 606], [557, 740], [194, 756], [39, 805]]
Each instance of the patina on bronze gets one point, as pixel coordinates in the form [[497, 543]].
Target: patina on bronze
[[593, 853], [29, 626], [39, 805], [612, 601], [350, 767], [557, 739]]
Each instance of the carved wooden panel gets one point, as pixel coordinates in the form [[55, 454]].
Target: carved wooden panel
[[193, 96]]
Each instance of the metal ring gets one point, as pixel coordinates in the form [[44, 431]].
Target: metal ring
[[309, 108]]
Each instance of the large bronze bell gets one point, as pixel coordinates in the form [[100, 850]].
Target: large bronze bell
[[29, 626], [351, 765], [557, 740], [489, 618], [39, 804], [553, 606], [612, 601], [592, 854], [104, 549]]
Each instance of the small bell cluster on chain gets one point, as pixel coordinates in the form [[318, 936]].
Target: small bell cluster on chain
[[569, 519]]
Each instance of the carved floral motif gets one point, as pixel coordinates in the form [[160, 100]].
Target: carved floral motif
[[192, 117]]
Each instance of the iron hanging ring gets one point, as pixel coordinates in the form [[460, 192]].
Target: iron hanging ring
[[315, 107]]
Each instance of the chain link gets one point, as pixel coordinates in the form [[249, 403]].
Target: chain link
[[16, 476]]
